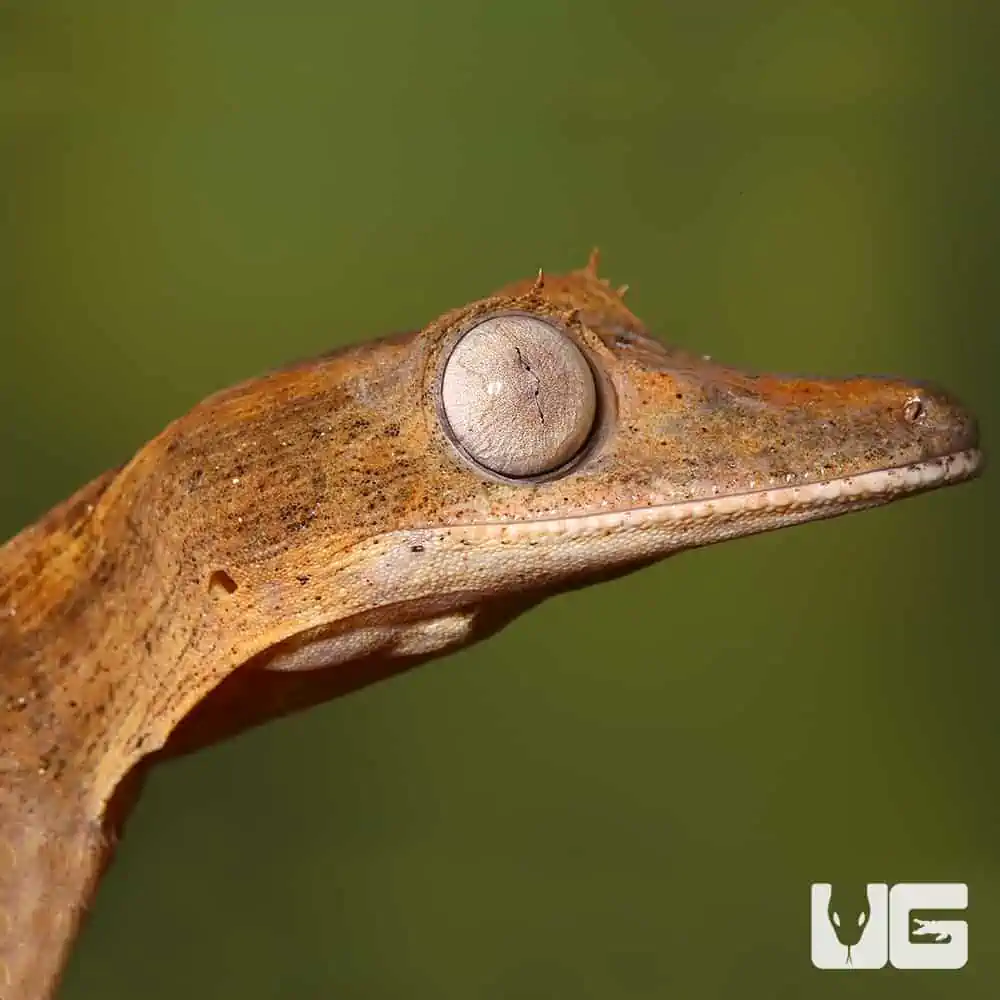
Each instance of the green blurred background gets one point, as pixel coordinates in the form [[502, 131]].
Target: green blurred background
[[627, 793]]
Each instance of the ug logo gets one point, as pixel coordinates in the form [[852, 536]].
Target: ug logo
[[910, 925]]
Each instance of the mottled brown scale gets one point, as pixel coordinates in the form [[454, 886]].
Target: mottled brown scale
[[140, 616]]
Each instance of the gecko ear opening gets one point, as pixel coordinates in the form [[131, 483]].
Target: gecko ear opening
[[518, 397]]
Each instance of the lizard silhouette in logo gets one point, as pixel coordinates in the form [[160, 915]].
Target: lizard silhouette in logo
[[848, 912], [931, 928]]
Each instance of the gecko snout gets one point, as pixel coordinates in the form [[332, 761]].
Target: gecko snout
[[936, 414]]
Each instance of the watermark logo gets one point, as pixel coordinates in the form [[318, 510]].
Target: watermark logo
[[910, 925]]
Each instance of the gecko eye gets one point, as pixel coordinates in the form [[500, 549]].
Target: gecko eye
[[836, 919], [861, 919], [518, 396]]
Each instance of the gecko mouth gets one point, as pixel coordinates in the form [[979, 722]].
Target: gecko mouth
[[863, 488], [785, 504], [477, 557]]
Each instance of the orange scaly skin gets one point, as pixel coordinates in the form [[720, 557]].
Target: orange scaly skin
[[316, 529]]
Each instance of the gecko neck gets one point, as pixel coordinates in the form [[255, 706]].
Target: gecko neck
[[51, 858], [60, 717]]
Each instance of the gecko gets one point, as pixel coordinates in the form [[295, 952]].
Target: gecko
[[340, 520]]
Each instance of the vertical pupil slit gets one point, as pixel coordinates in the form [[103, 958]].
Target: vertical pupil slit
[[538, 382]]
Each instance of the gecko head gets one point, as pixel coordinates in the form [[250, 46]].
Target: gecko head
[[557, 395], [408, 496], [564, 444]]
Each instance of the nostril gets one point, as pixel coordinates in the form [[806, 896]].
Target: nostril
[[914, 410]]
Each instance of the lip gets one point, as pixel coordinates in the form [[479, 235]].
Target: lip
[[862, 489], [799, 502]]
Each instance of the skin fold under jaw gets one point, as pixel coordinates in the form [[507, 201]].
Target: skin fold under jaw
[[330, 524]]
